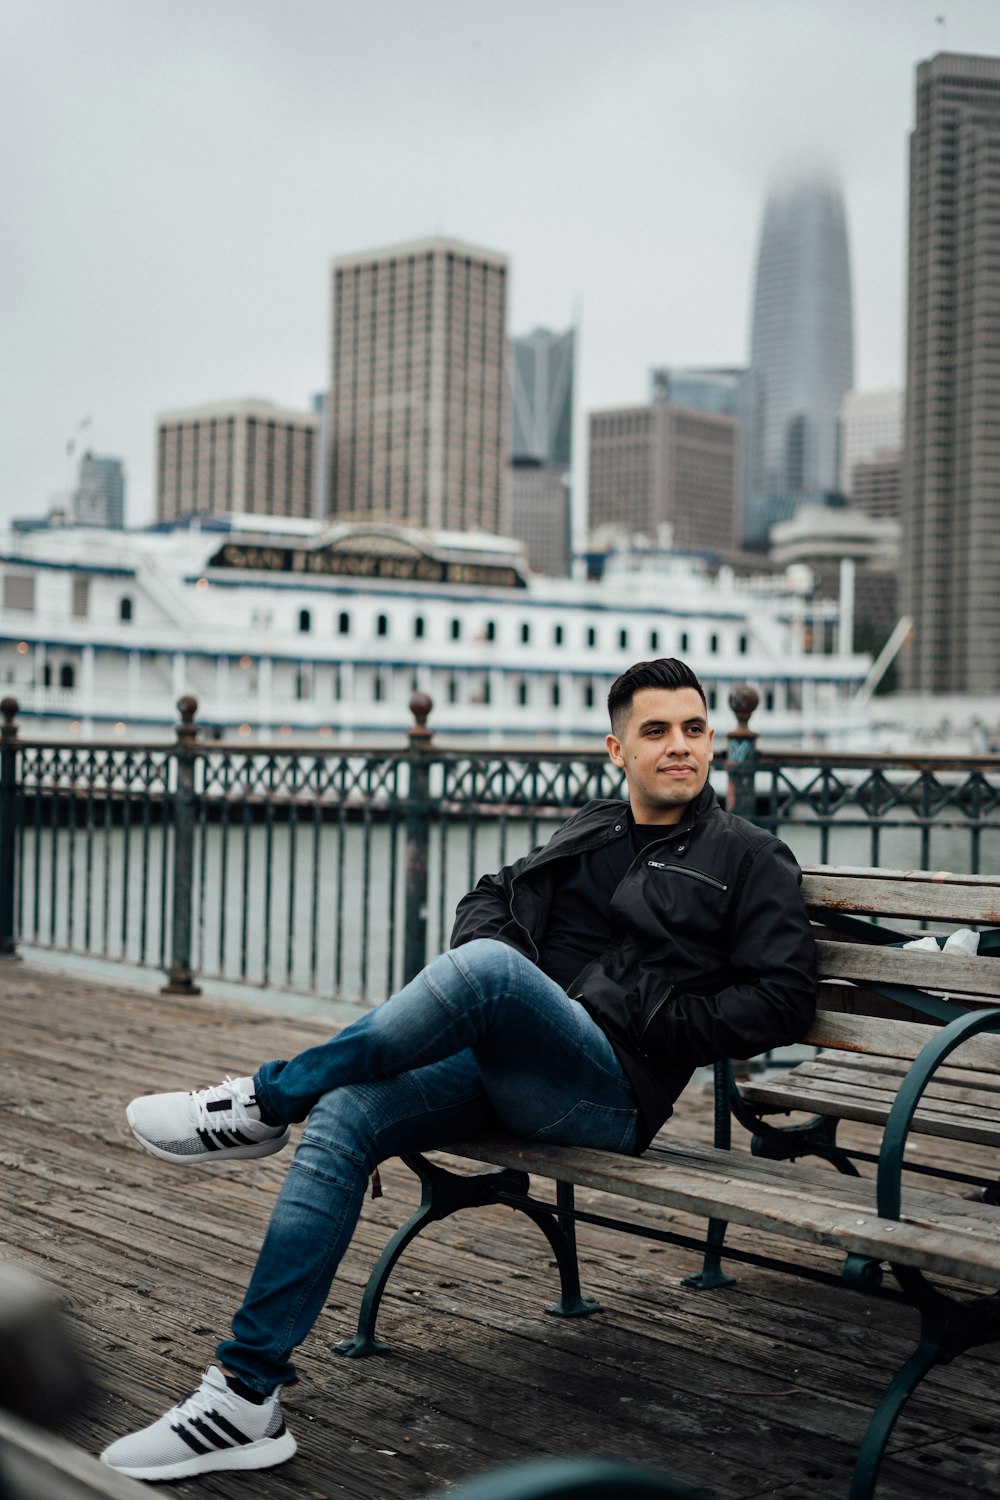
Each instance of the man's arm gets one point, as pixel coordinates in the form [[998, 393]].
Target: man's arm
[[485, 912], [771, 943]]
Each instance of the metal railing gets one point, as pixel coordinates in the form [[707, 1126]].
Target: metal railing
[[335, 871]]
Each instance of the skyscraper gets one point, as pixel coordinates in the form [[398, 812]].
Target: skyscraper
[[418, 398], [542, 397], [99, 497], [541, 408], [801, 351], [665, 469], [235, 456], [951, 471]]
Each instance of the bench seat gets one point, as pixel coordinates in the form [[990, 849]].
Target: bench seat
[[939, 1233]]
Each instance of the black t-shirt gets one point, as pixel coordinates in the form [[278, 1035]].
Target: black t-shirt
[[580, 919]]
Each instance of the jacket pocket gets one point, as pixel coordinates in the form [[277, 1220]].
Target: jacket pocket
[[657, 864]]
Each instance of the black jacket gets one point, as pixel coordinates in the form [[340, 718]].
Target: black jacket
[[711, 952]]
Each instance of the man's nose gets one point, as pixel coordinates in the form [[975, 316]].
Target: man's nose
[[676, 743]]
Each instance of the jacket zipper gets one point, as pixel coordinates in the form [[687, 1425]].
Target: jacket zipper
[[656, 864], [656, 1010]]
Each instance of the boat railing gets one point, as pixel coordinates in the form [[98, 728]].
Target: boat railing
[[334, 871]]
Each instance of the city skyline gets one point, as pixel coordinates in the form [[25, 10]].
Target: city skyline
[[620, 162]]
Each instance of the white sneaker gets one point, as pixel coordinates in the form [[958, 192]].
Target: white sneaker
[[216, 1124], [213, 1429]]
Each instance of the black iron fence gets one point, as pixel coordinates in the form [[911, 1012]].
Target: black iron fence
[[335, 870]]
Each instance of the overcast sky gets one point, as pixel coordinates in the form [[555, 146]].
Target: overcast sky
[[178, 174]]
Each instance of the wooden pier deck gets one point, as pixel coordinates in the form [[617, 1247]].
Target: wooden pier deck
[[762, 1389]]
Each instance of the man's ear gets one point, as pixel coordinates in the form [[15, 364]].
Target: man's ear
[[614, 748]]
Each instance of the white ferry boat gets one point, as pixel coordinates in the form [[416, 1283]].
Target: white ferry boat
[[308, 629]]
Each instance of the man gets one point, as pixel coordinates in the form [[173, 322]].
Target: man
[[584, 984]]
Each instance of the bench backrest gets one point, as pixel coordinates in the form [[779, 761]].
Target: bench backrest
[[855, 1018]]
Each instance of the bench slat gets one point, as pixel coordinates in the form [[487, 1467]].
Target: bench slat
[[901, 1039], [869, 1099], [945, 1235], [904, 893], [974, 977]]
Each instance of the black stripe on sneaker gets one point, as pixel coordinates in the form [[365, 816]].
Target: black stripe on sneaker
[[208, 1140], [233, 1432], [192, 1442], [235, 1138]]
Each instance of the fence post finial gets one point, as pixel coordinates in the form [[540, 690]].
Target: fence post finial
[[741, 751]]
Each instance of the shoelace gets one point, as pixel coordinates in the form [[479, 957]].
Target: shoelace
[[230, 1118], [201, 1402]]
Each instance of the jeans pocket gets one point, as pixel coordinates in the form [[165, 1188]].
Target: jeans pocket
[[604, 1126]]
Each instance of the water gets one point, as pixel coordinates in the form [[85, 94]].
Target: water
[[314, 907]]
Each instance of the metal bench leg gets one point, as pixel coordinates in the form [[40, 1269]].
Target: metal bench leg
[[444, 1193], [711, 1274], [560, 1231], [901, 1387]]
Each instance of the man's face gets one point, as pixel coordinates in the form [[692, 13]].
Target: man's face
[[665, 751]]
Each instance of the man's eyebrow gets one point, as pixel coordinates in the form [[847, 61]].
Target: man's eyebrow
[[695, 721]]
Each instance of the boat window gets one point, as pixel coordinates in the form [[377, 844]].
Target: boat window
[[744, 645], [344, 623], [555, 695], [654, 640], [684, 641], [456, 630], [46, 675], [623, 639], [522, 692], [491, 630], [67, 676], [588, 695], [591, 636], [452, 688], [125, 608], [305, 621], [525, 633], [418, 627], [557, 635], [382, 625], [713, 644]]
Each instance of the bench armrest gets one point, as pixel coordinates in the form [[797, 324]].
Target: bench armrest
[[919, 1075]]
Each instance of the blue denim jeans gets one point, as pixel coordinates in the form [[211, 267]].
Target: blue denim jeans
[[481, 1038]]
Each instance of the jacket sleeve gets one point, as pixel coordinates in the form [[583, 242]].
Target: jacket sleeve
[[485, 912], [771, 1000]]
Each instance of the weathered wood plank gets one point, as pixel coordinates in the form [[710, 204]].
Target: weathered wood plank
[[936, 972], [896, 1038], [938, 896]]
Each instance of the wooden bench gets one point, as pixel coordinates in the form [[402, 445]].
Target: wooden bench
[[903, 1070], [868, 1039]]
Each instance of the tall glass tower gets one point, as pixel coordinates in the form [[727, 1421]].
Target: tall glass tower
[[801, 351]]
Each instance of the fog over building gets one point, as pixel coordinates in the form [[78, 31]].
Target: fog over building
[[417, 421], [951, 477], [801, 350]]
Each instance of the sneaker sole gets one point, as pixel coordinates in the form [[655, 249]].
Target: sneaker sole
[[260, 1455], [210, 1158]]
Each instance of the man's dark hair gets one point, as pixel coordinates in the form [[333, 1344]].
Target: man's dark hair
[[666, 672]]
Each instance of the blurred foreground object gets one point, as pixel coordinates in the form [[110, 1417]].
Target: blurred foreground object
[[43, 1382], [575, 1479]]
